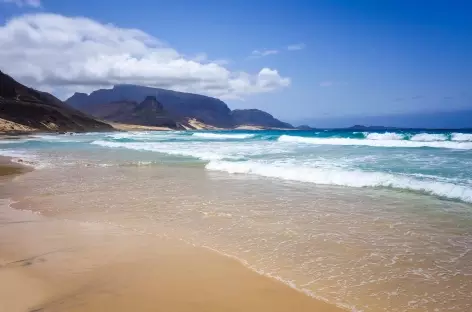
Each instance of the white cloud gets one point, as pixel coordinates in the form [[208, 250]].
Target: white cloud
[[23, 3], [262, 53], [296, 47], [69, 54], [326, 84]]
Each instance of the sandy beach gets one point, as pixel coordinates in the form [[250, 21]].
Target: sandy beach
[[48, 263]]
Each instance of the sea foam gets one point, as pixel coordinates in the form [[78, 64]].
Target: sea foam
[[384, 136], [351, 178], [199, 153], [223, 136], [461, 136], [375, 143], [428, 137]]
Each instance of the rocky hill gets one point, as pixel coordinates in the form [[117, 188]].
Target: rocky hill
[[149, 112], [26, 108], [256, 117], [116, 103]]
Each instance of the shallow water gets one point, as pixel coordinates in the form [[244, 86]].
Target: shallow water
[[374, 248]]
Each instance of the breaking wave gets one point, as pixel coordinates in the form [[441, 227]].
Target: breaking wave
[[461, 136], [223, 136], [384, 136], [381, 140], [200, 153], [351, 178]]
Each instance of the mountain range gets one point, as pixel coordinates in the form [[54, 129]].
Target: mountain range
[[23, 109], [133, 104]]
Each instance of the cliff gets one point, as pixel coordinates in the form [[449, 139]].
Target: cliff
[[149, 112], [40, 111]]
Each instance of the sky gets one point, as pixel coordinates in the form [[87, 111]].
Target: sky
[[294, 59]]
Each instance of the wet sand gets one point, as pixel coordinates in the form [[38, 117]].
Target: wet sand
[[53, 264], [7, 167]]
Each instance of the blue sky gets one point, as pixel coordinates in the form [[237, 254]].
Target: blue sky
[[347, 58]]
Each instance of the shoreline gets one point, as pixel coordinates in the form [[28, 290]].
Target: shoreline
[[147, 273], [10, 167]]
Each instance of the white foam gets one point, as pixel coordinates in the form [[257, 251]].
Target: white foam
[[219, 136], [204, 150], [384, 136], [428, 137], [374, 143], [461, 136], [122, 135], [351, 178], [14, 141], [55, 138], [149, 136], [24, 158], [200, 153]]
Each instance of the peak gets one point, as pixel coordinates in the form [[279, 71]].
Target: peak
[[120, 86], [150, 102], [150, 98], [79, 94]]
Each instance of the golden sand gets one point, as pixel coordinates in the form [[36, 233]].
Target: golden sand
[[50, 264], [9, 168], [130, 127]]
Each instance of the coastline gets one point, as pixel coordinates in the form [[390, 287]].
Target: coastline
[[8, 167], [65, 265]]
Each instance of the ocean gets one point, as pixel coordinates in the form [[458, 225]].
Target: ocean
[[370, 221]]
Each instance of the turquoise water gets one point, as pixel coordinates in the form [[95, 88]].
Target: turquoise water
[[371, 221], [436, 163]]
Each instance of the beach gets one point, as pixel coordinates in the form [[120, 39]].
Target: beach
[[238, 220], [49, 263]]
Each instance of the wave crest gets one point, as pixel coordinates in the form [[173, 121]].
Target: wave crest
[[428, 137], [375, 143], [353, 178], [220, 136], [461, 136], [384, 136]]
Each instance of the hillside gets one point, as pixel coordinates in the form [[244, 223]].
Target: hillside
[[149, 112], [27, 109], [113, 104], [256, 117]]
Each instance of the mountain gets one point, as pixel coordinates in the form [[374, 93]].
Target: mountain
[[178, 106], [305, 127], [256, 117], [26, 108], [149, 112]]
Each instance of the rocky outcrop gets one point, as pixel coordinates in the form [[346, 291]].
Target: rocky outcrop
[[305, 127], [256, 117], [114, 104], [41, 111], [149, 112]]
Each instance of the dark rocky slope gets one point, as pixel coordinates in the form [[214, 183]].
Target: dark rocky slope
[[179, 106], [40, 110], [256, 117], [149, 112]]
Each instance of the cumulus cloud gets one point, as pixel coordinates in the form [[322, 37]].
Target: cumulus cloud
[[24, 3], [76, 53], [296, 47]]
